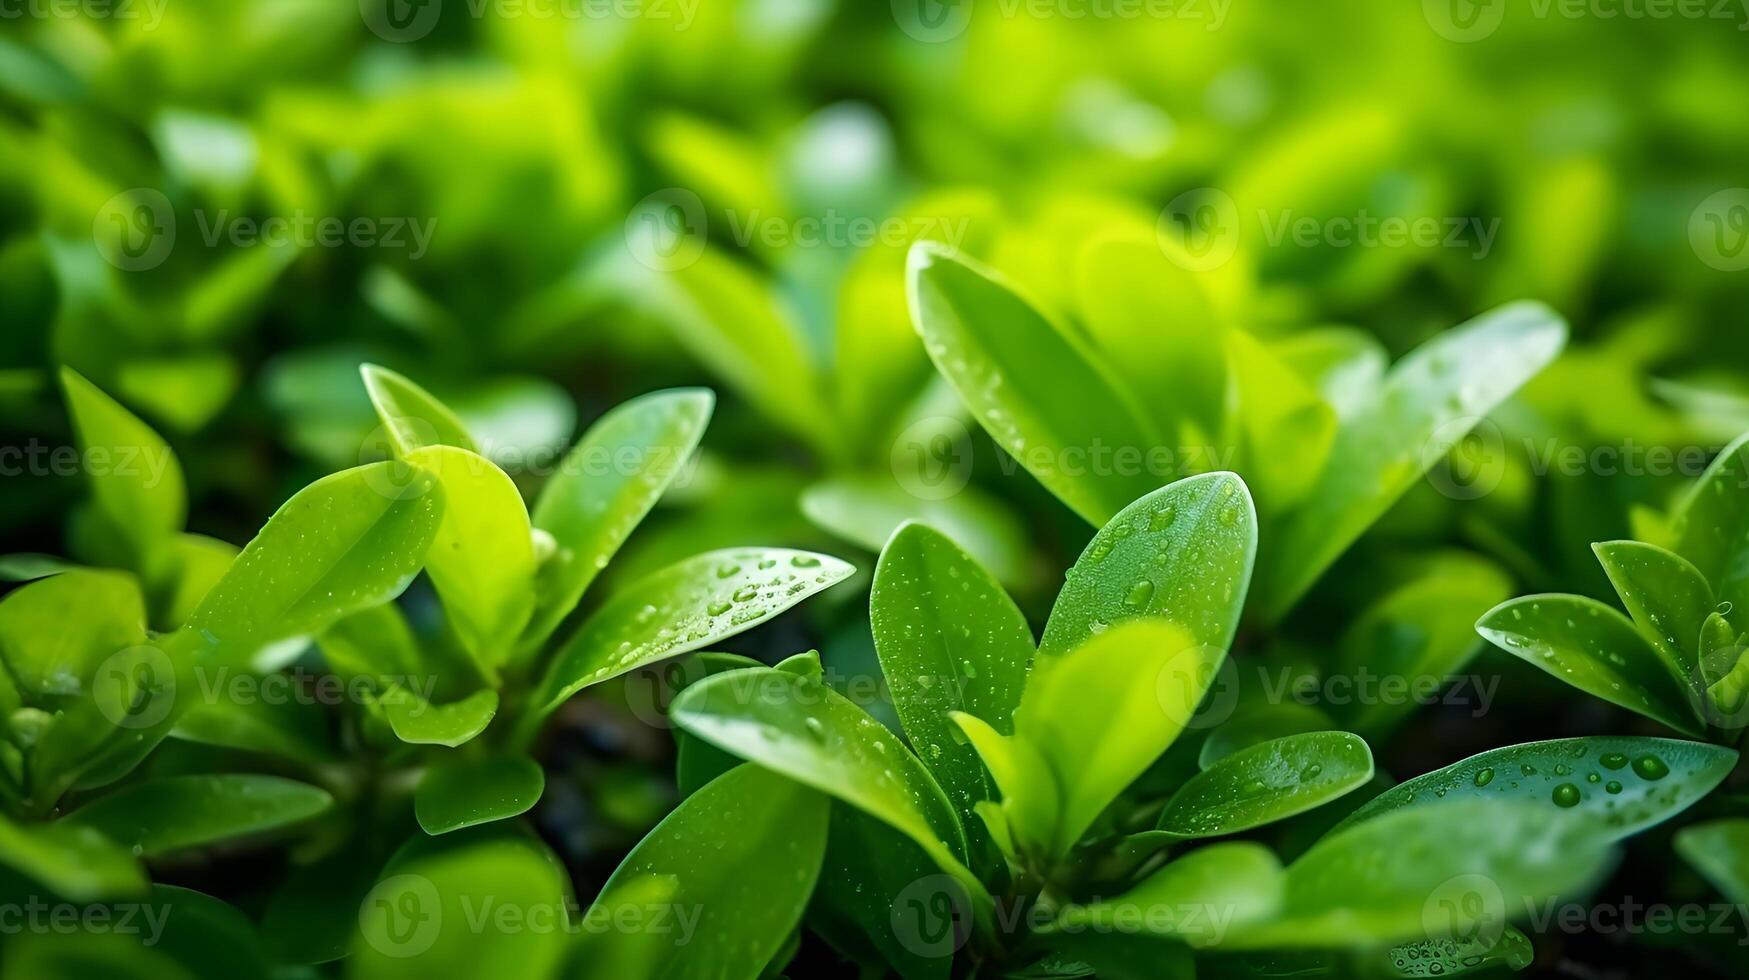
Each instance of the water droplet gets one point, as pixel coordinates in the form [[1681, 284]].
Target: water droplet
[[745, 593], [1484, 777], [1612, 786], [717, 608], [1162, 519], [1613, 760], [1311, 772], [1566, 795], [816, 728], [1139, 594], [1650, 767], [805, 561], [727, 569]]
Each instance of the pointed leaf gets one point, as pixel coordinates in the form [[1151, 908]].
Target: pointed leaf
[[134, 476], [1207, 892], [1711, 525], [159, 816], [1268, 782], [411, 416], [77, 863], [1719, 850], [1667, 597]]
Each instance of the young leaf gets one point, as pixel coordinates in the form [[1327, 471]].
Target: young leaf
[[1183, 552], [482, 560], [743, 852], [866, 510], [1288, 427], [949, 639], [159, 816], [1628, 783], [1102, 714], [803, 729], [1450, 869], [603, 488], [684, 607], [1667, 597], [410, 415], [1042, 398], [1719, 850], [135, 477], [55, 632], [1594, 648], [1268, 782], [1030, 807], [419, 722], [422, 920], [1431, 400], [1237, 883], [457, 794], [1711, 524], [77, 863]]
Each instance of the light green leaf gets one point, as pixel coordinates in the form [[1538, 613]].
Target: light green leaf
[[1628, 783], [1102, 714], [159, 816], [1030, 808], [797, 726], [416, 923], [684, 607], [419, 722], [77, 863], [1431, 400], [1288, 427], [1711, 524], [866, 510], [949, 639], [697, 762], [605, 486], [1268, 782], [1719, 850], [1429, 873], [289, 728], [744, 852], [456, 793], [1194, 899], [1667, 597], [135, 477], [412, 418], [56, 631], [202, 562], [482, 559], [1345, 365], [25, 566], [1594, 648], [1043, 399], [376, 642], [1183, 552]]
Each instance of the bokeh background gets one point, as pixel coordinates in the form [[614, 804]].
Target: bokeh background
[[216, 209]]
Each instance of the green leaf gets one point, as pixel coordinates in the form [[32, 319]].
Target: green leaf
[[1194, 899], [1255, 722], [202, 562], [1422, 631], [212, 938], [1183, 552], [798, 726], [25, 566], [1711, 525], [1102, 714], [1429, 873], [1430, 401], [1455, 957], [412, 418], [1594, 648], [1628, 783], [1268, 782], [347, 542], [684, 607], [744, 853], [1667, 597], [78, 863], [159, 816], [878, 887], [1288, 427], [135, 477], [482, 559], [289, 728], [422, 921], [1043, 399], [456, 794], [376, 642], [949, 639], [605, 486], [312, 914], [1025, 823], [697, 762], [1719, 850], [419, 722], [1344, 364], [866, 510], [56, 631]]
